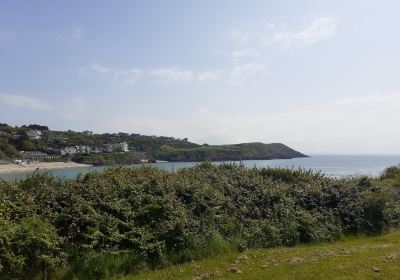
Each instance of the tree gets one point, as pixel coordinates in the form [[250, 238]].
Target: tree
[[10, 150], [27, 145], [38, 127], [2, 155]]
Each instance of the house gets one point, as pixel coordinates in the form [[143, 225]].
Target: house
[[37, 155], [108, 148], [83, 149], [122, 147], [34, 134], [70, 151]]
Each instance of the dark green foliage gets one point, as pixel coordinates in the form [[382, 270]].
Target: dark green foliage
[[27, 145], [107, 158], [392, 172], [124, 219], [29, 247], [8, 150], [38, 127]]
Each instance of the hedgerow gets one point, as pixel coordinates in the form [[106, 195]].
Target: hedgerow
[[125, 219]]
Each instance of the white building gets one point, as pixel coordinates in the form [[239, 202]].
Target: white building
[[34, 134], [83, 149], [70, 150], [122, 147], [37, 155]]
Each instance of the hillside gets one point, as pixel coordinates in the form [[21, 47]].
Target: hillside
[[244, 151], [356, 258], [125, 148]]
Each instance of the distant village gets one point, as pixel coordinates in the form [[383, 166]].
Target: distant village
[[52, 153], [32, 143]]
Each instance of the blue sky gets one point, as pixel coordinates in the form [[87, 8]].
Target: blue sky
[[319, 76]]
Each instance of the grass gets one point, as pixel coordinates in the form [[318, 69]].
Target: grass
[[350, 258]]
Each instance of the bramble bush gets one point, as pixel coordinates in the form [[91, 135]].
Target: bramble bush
[[124, 219]]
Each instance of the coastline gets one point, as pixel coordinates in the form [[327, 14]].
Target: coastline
[[12, 168]]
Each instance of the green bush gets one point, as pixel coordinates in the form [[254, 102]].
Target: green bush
[[31, 247], [392, 172], [125, 219]]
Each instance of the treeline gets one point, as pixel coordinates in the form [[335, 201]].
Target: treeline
[[124, 219], [109, 159]]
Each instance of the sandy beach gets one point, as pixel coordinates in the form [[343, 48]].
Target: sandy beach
[[11, 168]]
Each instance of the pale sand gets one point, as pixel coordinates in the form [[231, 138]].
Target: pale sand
[[10, 168]]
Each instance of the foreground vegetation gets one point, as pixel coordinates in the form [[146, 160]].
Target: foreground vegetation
[[127, 220], [349, 258]]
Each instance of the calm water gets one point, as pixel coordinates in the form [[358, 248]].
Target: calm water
[[334, 166]]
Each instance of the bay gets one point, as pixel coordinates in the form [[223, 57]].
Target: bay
[[333, 166]]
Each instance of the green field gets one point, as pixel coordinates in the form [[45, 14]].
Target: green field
[[349, 258]]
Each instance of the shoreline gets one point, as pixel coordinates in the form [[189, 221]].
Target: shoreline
[[14, 168]]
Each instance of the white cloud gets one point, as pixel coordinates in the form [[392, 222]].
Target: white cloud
[[165, 75], [172, 74], [268, 39], [256, 47], [243, 72], [208, 76], [23, 101], [244, 53], [129, 76], [318, 30]]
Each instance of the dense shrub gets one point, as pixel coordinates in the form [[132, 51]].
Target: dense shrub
[[392, 172], [124, 219]]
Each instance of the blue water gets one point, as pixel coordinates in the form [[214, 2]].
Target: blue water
[[333, 166]]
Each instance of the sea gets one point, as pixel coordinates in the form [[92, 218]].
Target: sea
[[331, 165]]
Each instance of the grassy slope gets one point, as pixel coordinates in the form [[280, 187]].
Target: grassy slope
[[353, 258], [230, 152]]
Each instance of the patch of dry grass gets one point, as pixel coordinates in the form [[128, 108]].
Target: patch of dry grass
[[350, 258]]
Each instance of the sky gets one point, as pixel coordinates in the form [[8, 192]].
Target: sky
[[319, 76]]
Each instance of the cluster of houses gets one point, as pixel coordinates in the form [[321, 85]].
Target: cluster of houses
[[105, 148], [52, 153], [74, 150]]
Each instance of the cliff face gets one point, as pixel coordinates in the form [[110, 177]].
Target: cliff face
[[244, 151]]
